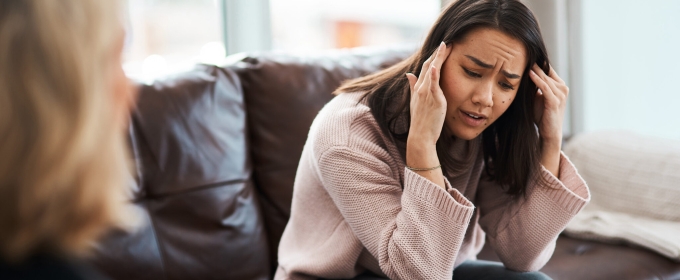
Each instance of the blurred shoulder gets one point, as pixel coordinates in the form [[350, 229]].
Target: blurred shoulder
[[49, 267]]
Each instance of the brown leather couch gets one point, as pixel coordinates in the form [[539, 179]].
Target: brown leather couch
[[216, 150]]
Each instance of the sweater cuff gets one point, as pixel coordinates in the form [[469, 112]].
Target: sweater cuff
[[570, 190], [452, 202]]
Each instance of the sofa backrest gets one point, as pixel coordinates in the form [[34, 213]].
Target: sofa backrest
[[193, 187], [216, 150]]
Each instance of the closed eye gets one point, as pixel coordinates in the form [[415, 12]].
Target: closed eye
[[506, 86], [471, 74]]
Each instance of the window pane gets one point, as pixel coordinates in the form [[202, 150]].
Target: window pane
[[171, 35], [324, 24]]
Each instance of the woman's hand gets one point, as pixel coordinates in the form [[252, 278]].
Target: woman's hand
[[428, 111], [428, 105], [551, 101]]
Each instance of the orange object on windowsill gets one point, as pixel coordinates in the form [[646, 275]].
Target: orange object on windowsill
[[348, 34]]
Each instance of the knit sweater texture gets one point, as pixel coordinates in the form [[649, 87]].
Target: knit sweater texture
[[356, 207]]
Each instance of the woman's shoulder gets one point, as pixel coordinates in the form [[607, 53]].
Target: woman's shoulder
[[48, 267], [341, 121]]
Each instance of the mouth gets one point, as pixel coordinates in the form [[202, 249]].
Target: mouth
[[474, 115], [472, 119]]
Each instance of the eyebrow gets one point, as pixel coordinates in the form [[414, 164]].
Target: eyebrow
[[489, 66]]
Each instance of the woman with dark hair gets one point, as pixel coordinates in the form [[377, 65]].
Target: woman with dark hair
[[407, 170]]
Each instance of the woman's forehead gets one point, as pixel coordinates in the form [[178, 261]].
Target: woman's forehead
[[492, 46]]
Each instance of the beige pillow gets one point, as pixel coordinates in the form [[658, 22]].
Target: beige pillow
[[634, 182], [629, 173]]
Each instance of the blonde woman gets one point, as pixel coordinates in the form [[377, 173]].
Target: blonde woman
[[64, 102]]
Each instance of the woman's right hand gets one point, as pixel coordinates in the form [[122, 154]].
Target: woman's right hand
[[428, 105], [428, 111]]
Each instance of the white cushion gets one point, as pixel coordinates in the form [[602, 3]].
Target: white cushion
[[634, 180]]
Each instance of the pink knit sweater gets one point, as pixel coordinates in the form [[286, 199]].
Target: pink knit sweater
[[356, 207]]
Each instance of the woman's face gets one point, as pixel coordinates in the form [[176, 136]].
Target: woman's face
[[480, 79]]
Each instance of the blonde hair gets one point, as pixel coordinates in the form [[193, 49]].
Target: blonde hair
[[63, 155]]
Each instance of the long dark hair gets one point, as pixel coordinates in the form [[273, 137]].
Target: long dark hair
[[511, 144]]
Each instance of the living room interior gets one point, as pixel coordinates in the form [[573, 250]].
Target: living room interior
[[228, 90]]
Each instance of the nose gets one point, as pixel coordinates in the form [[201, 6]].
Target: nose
[[483, 95]]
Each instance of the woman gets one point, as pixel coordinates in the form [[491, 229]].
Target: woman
[[64, 102], [403, 175]]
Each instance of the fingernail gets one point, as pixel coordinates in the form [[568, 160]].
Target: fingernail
[[442, 45]]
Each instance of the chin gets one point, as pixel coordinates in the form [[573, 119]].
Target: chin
[[466, 134]]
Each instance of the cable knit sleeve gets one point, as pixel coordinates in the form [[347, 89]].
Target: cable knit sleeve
[[414, 232], [523, 230]]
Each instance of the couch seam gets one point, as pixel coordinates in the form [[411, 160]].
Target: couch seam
[[143, 198], [197, 188], [139, 178], [158, 243]]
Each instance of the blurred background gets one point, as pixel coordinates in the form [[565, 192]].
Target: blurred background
[[618, 57]]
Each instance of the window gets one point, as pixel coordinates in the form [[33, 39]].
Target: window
[[630, 59], [170, 35], [326, 24], [166, 36]]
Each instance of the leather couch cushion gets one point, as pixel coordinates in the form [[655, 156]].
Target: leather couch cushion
[[200, 212], [580, 259], [284, 92]]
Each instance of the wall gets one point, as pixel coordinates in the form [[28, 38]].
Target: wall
[[631, 66]]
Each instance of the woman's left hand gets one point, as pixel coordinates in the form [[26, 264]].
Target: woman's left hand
[[551, 102]]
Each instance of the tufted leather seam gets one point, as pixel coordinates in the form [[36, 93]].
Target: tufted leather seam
[[139, 178], [158, 244], [135, 132], [143, 140], [261, 193], [197, 188]]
